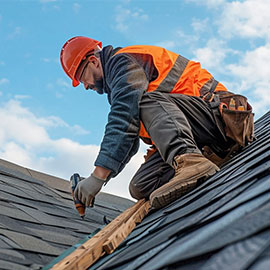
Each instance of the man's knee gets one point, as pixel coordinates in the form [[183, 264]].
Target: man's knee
[[135, 191]]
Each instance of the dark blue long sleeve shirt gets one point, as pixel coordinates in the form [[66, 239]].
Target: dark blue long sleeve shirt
[[126, 78]]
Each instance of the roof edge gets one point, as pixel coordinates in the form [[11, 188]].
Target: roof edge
[[52, 181]]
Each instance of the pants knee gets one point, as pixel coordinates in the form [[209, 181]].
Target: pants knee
[[135, 191]]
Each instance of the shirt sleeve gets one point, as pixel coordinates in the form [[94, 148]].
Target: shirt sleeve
[[127, 81]]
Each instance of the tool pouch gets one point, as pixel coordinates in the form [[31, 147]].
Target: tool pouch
[[236, 124], [237, 116]]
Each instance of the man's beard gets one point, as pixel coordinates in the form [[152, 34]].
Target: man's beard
[[99, 85]]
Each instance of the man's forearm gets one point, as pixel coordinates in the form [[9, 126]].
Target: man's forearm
[[101, 172]]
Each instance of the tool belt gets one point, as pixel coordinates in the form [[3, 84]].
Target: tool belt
[[235, 120]]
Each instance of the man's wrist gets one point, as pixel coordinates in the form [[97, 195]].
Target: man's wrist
[[101, 173]]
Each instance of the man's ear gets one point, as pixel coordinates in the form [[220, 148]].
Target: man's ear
[[94, 60]]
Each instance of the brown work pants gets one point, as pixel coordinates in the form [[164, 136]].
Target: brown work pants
[[177, 124]]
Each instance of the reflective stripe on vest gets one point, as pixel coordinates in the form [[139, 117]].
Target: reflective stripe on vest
[[176, 74]]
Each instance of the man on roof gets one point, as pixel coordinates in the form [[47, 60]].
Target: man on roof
[[155, 95]]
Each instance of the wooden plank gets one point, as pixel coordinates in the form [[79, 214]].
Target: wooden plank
[[116, 238], [92, 250]]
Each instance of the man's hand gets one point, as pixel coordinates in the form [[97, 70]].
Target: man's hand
[[88, 188]]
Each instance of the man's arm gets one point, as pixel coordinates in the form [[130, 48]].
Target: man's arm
[[127, 81]]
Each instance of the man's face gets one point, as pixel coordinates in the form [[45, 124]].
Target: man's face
[[92, 74]]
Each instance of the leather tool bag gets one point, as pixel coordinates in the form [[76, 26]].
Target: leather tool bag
[[238, 118], [236, 122]]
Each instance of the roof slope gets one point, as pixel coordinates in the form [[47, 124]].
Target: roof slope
[[223, 224], [38, 220]]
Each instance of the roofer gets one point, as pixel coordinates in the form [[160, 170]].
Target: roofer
[[155, 95]]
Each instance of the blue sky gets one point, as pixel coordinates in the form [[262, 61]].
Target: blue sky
[[48, 125]]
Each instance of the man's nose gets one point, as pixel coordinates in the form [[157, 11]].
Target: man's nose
[[89, 86]]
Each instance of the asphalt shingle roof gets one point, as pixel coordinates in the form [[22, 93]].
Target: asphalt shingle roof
[[222, 224], [38, 221]]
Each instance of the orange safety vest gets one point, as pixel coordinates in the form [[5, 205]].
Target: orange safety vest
[[176, 74]]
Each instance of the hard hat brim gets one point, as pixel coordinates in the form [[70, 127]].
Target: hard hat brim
[[75, 83]]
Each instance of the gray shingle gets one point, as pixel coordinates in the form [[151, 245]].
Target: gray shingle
[[11, 181], [12, 224], [13, 254], [222, 224], [3, 244], [16, 213], [40, 197], [14, 191], [38, 219], [16, 172], [55, 237], [7, 243], [248, 250], [46, 219], [8, 198], [31, 243], [12, 265], [48, 191], [55, 211]]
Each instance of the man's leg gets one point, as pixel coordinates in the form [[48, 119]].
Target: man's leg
[[179, 125], [151, 175]]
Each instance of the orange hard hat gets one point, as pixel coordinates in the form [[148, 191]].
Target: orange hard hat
[[73, 52]]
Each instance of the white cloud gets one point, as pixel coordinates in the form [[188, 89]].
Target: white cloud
[[241, 18], [254, 66], [77, 130], [200, 25], [25, 140], [250, 75], [126, 18], [246, 72], [20, 124], [253, 74], [247, 19], [4, 81], [121, 18], [215, 3], [212, 56]]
